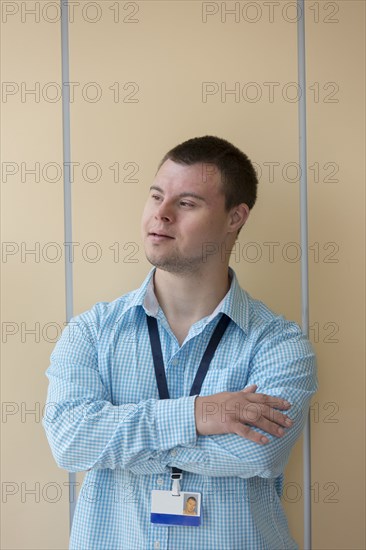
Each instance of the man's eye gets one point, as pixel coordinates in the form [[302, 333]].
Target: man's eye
[[155, 196], [184, 203]]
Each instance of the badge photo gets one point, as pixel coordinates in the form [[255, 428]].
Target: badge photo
[[182, 509]]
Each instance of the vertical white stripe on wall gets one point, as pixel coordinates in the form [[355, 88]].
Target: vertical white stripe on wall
[[304, 248], [67, 196]]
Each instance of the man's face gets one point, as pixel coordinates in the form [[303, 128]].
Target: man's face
[[186, 205], [191, 505]]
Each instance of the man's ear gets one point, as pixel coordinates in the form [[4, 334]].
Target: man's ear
[[238, 216]]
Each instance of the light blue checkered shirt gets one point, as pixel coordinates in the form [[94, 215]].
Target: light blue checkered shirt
[[103, 414]]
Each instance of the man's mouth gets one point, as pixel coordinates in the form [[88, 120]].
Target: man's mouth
[[161, 235]]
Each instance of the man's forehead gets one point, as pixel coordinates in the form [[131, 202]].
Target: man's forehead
[[199, 173]]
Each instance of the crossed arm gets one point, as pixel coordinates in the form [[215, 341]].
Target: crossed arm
[[217, 435]]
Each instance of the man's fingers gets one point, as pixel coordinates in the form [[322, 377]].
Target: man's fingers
[[250, 389], [270, 427], [275, 402], [276, 416], [244, 431], [255, 413], [233, 412]]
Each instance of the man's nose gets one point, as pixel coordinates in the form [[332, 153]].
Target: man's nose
[[164, 211]]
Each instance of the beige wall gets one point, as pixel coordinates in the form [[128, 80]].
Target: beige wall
[[167, 50]]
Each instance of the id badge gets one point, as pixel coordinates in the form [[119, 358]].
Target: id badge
[[182, 509]]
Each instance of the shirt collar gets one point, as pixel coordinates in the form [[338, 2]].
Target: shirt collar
[[235, 303]]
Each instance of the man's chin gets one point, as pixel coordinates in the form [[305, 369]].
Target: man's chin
[[165, 266], [157, 262], [179, 266]]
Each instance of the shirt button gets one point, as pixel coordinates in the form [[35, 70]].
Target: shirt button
[[160, 481], [173, 453], [157, 545], [175, 362]]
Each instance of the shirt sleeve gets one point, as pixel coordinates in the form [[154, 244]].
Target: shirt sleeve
[[85, 430], [283, 365]]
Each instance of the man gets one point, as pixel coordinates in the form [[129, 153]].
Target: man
[[190, 508], [129, 415]]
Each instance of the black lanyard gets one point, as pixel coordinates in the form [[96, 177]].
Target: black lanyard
[[202, 369]]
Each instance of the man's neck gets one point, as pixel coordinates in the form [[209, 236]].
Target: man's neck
[[189, 298]]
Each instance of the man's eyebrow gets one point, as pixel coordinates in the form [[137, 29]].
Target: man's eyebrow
[[185, 194]]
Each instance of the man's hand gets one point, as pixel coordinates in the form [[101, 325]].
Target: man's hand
[[234, 412]]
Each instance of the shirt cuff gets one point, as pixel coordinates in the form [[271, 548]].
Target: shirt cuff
[[175, 422]]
